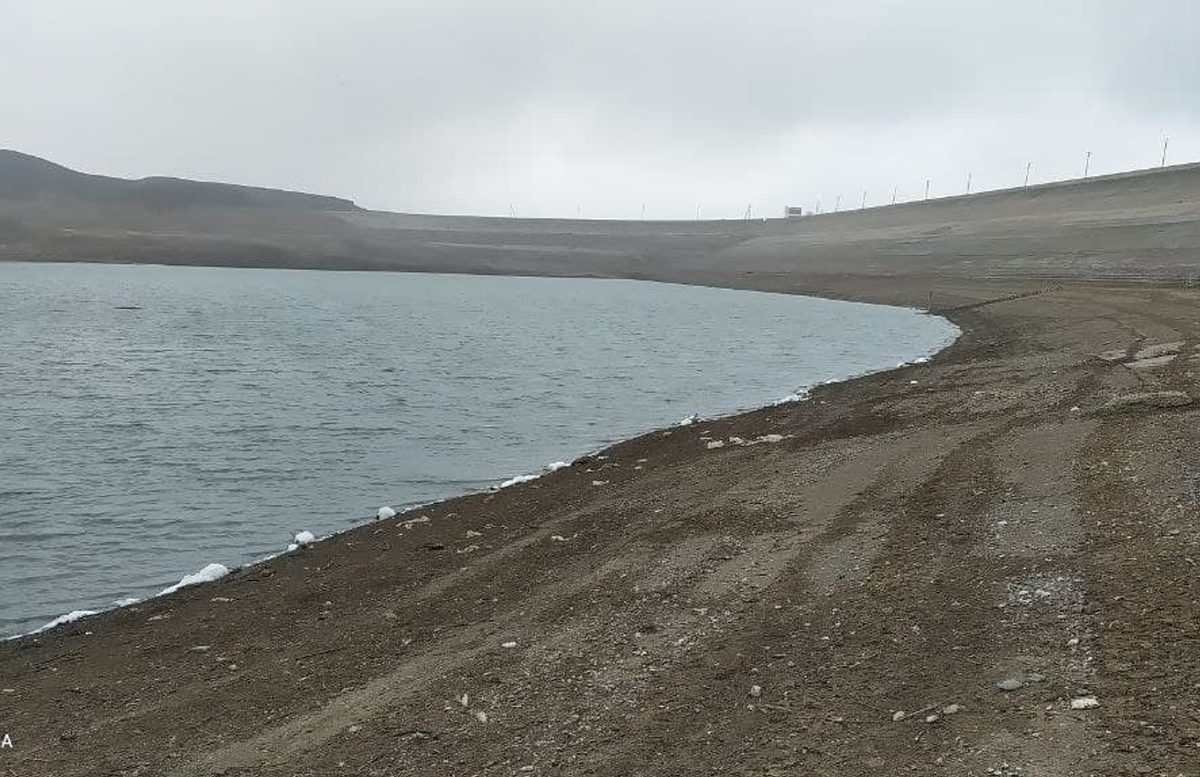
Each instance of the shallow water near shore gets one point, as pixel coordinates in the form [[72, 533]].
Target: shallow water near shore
[[156, 419]]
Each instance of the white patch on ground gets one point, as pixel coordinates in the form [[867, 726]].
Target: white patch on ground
[[207, 575], [304, 538], [385, 513], [518, 480], [70, 617]]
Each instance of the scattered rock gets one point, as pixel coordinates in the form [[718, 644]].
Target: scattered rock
[[932, 718], [1010, 684], [508, 645], [756, 691], [1144, 401], [473, 533], [714, 444], [1084, 703], [1073, 641], [468, 549], [481, 716], [435, 545], [952, 709], [384, 513], [199, 649], [599, 482], [898, 715]]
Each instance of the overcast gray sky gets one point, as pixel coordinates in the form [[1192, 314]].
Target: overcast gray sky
[[601, 106]]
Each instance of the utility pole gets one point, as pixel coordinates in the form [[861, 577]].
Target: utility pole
[[926, 188], [968, 183], [894, 187], [818, 205], [643, 213], [1028, 167], [864, 200], [1166, 140], [838, 205], [697, 213], [1087, 164], [512, 211]]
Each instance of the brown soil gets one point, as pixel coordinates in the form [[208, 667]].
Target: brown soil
[[916, 537]]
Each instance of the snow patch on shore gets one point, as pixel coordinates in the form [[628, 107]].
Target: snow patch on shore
[[70, 617], [207, 575], [518, 480], [551, 467]]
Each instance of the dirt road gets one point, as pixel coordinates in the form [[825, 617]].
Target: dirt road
[[839, 588]]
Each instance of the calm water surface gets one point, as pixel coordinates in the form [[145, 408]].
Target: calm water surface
[[156, 419]]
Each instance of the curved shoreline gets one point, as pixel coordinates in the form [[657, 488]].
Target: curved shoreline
[[84, 611], [799, 568]]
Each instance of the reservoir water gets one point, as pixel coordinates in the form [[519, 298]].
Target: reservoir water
[[155, 419]]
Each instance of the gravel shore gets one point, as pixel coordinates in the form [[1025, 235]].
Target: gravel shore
[[926, 571]]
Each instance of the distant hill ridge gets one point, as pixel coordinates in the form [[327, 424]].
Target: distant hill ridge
[[27, 177]]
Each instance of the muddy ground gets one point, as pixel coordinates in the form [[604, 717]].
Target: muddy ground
[[837, 589]]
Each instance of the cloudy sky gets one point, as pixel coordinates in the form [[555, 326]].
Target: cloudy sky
[[601, 107]]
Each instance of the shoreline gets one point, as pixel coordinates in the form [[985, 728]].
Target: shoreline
[[897, 547], [802, 394], [914, 578]]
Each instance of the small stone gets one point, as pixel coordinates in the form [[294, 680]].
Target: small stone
[[952, 709], [508, 645], [756, 691], [354, 729], [1010, 684], [1073, 641], [898, 715], [1035, 677], [932, 718], [199, 649], [1084, 703], [481, 716]]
